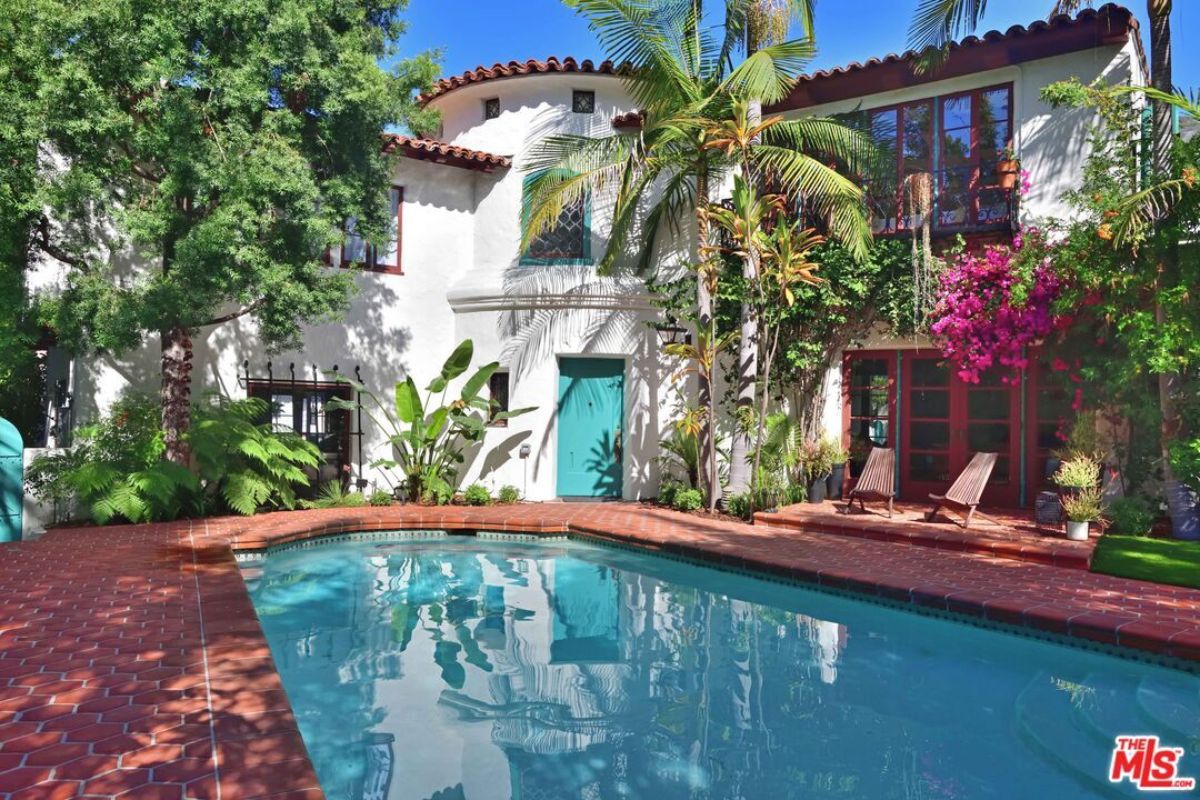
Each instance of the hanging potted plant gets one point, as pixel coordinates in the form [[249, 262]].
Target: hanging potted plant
[[1083, 508], [1008, 169]]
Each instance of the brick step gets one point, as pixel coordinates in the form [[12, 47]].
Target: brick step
[[1067, 555]]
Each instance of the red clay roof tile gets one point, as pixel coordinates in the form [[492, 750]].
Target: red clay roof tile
[[444, 153], [514, 68]]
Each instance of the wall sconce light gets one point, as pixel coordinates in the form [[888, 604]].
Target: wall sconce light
[[670, 332]]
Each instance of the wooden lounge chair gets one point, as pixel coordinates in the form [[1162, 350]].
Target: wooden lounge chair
[[965, 492], [877, 481]]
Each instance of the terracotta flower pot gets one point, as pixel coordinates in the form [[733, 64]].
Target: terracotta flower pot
[[1008, 172]]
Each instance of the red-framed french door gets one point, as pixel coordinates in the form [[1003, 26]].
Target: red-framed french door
[[944, 421], [869, 404]]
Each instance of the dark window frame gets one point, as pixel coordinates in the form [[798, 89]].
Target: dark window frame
[[371, 262], [494, 405], [491, 108], [577, 95], [979, 181], [264, 389], [898, 220]]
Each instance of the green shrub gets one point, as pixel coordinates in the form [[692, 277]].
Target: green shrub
[[477, 495], [688, 500], [508, 495], [116, 470], [667, 491], [1131, 515], [435, 491], [243, 463], [1080, 472], [739, 505], [380, 497], [795, 493], [332, 495]]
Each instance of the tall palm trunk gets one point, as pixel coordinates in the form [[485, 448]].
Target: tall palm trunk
[[748, 344], [706, 324], [1159, 12]]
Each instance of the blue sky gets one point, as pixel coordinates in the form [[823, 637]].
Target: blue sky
[[486, 31]]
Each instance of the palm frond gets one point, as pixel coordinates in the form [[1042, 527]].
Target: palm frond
[[827, 192], [1140, 211], [769, 73], [937, 23], [828, 139]]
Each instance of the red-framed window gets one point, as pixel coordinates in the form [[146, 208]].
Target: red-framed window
[[905, 135], [382, 258], [974, 131]]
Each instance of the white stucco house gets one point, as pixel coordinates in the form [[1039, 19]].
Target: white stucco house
[[455, 272]]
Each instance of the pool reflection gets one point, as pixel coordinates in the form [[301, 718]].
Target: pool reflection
[[466, 670]]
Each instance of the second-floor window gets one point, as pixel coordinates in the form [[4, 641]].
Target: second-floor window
[[958, 140], [976, 130], [568, 242], [383, 258]]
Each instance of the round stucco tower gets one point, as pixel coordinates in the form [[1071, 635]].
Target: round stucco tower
[[542, 314]]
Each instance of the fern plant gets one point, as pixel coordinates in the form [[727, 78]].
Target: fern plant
[[116, 470], [244, 464]]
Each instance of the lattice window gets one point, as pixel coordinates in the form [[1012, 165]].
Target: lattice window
[[583, 102], [567, 242], [491, 108]]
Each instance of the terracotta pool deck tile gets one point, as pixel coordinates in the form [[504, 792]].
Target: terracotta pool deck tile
[[152, 660]]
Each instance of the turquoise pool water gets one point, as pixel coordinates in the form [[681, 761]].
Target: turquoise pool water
[[463, 669]]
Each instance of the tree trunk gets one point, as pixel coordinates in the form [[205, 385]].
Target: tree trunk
[[748, 344], [1161, 78], [705, 320], [176, 392]]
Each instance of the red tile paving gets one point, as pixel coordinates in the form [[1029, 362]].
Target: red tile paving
[[1009, 533], [132, 664]]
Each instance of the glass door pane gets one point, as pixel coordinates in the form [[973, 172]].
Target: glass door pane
[[989, 425], [928, 421], [869, 389]]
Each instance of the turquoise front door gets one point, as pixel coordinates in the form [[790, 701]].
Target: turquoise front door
[[591, 422], [11, 480]]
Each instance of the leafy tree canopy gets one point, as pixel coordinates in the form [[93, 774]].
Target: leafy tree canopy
[[221, 142]]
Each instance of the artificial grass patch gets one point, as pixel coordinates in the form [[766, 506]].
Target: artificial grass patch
[[1147, 559]]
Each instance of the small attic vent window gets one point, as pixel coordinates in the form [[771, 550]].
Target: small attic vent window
[[583, 102], [491, 108]]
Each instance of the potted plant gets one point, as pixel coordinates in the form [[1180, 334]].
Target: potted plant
[[1008, 169], [838, 456], [1083, 508], [817, 467], [1076, 474]]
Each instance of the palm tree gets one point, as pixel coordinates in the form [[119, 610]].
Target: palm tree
[[663, 177], [938, 22], [781, 251], [761, 23]]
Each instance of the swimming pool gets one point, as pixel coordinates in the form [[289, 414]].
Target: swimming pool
[[458, 668]]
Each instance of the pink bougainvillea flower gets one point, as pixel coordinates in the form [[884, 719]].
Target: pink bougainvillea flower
[[976, 320]]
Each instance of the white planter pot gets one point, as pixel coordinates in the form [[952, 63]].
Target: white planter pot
[[1077, 531]]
